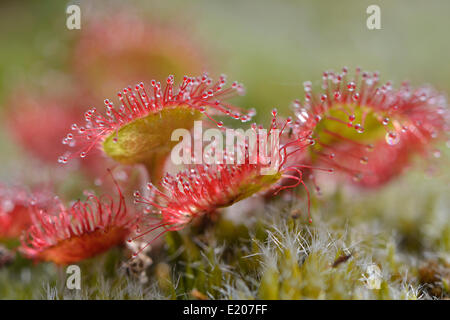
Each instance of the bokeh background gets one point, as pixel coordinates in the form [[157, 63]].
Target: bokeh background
[[272, 47]]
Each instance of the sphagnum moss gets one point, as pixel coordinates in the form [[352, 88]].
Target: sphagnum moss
[[276, 258]]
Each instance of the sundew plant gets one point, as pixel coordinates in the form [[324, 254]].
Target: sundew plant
[[256, 150]]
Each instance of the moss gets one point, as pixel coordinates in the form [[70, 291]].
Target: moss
[[274, 256]]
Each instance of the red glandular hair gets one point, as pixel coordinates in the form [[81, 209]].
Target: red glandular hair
[[203, 189], [195, 93], [39, 121], [367, 130], [84, 230]]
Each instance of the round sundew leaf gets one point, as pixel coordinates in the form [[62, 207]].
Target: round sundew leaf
[[84, 246], [140, 140], [331, 132]]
